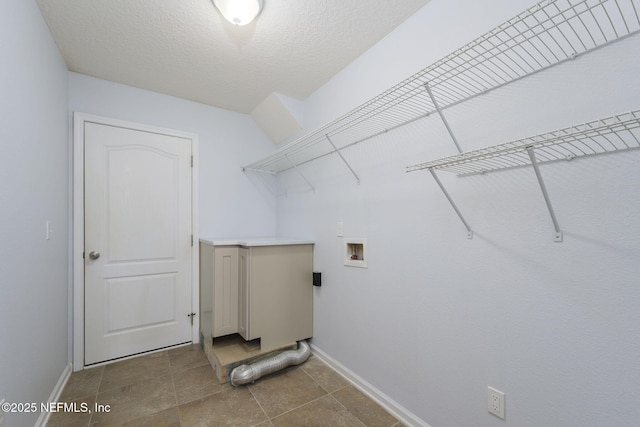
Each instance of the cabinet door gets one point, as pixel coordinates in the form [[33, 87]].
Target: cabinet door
[[281, 294], [243, 296], [225, 298]]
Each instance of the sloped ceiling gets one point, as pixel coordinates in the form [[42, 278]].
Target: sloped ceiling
[[185, 48]]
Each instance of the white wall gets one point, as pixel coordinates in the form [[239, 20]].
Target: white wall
[[437, 318], [33, 189], [230, 203]]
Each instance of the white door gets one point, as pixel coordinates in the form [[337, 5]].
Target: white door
[[137, 241]]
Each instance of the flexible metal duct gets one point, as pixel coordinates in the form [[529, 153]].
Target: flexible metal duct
[[245, 374]]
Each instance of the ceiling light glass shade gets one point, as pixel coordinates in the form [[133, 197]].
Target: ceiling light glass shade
[[239, 12]]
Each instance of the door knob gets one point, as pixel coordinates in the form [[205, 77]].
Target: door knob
[[94, 254]]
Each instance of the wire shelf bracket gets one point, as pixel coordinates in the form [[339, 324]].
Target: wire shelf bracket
[[557, 235], [302, 175], [452, 203], [444, 119], [617, 133], [343, 159], [547, 34]]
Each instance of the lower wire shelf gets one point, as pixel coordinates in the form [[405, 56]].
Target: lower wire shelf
[[612, 134], [616, 133]]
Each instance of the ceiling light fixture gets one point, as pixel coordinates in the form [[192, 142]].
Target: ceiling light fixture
[[239, 12]]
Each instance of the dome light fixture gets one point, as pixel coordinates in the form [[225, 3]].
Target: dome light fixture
[[239, 12]]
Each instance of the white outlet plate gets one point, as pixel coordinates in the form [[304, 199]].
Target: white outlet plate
[[340, 229], [495, 403]]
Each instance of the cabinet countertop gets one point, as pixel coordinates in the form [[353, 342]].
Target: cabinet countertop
[[255, 241]]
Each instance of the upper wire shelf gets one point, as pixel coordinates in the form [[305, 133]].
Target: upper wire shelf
[[546, 34], [615, 133]]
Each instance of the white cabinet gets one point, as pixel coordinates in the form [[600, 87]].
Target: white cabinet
[[258, 291]]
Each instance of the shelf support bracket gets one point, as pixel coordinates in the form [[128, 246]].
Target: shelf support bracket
[[301, 174], [452, 203], [441, 114], [343, 159], [557, 235], [258, 171]]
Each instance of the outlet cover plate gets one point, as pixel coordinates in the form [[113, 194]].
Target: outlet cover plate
[[495, 403]]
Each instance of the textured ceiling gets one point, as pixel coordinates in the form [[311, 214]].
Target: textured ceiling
[[185, 48]]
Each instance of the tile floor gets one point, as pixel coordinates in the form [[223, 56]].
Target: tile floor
[[178, 387]]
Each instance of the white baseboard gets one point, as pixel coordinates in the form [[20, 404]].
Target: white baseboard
[[401, 413], [55, 394]]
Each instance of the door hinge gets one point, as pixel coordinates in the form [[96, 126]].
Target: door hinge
[[191, 315], [192, 240], [191, 161]]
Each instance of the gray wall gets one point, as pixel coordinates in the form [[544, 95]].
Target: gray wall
[[437, 318], [33, 189]]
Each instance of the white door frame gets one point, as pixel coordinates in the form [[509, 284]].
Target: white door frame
[[79, 120]]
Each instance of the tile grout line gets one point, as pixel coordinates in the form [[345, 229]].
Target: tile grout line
[[258, 402], [154, 376], [300, 406], [255, 397], [96, 397], [311, 401], [292, 409], [349, 384], [175, 393], [341, 404], [352, 384], [345, 408]]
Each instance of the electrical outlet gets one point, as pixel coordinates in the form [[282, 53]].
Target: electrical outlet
[[339, 229], [495, 402]]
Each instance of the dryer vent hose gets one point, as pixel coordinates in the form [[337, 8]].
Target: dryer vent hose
[[245, 374]]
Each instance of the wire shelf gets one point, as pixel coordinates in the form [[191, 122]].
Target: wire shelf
[[616, 133], [547, 34]]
